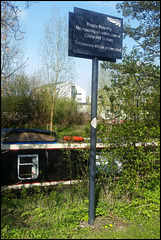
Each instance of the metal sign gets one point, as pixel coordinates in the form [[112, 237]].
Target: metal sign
[[94, 34]]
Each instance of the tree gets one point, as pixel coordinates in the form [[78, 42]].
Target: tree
[[135, 89], [16, 103], [147, 33], [135, 79], [103, 101], [26, 104], [56, 65], [11, 42]]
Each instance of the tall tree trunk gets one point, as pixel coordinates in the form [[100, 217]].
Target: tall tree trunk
[[52, 109]]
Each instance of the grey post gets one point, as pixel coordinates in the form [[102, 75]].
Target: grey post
[[92, 166]]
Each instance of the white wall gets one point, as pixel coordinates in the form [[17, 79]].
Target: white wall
[[65, 90]]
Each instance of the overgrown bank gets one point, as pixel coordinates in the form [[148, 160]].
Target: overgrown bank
[[62, 212], [127, 201]]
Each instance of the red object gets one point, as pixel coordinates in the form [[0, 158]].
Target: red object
[[67, 138], [77, 138], [73, 138]]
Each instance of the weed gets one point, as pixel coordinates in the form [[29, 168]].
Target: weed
[[62, 215]]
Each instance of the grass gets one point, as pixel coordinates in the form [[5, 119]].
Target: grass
[[73, 130], [61, 212]]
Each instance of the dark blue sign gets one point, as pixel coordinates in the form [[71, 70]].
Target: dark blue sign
[[93, 34]]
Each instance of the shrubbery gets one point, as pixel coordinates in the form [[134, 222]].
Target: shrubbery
[[27, 105]]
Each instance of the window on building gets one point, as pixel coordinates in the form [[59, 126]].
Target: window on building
[[73, 92], [28, 166]]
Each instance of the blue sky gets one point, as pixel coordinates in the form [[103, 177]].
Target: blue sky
[[34, 18]]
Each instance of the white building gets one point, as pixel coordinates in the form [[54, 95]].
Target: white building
[[71, 90]]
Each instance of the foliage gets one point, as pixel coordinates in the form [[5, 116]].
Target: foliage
[[54, 208], [133, 190], [134, 95], [103, 103], [31, 106], [50, 213], [65, 113], [147, 33], [135, 151], [134, 91], [82, 130], [27, 104]]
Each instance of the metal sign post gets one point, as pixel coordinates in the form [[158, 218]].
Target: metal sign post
[[93, 140], [94, 36]]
